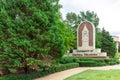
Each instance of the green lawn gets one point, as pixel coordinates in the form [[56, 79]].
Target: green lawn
[[96, 75]]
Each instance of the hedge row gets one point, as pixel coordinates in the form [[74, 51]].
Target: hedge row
[[42, 72], [89, 61], [65, 63], [62, 67]]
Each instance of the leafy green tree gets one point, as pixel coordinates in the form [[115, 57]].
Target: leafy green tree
[[74, 20], [62, 38], [71, 19], [89, 16], [107, 43], [31, 32], [71, 23]]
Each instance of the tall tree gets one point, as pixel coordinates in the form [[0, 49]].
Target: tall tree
[[31, 31], [71, 22], [89, 16], [107, 43], [71, 19], [75, 19]]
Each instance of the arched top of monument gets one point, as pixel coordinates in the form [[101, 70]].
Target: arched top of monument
[[91, 33], [86, 23]]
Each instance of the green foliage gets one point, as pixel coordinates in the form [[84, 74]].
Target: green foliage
[[107, 43], [83, 61], [89, 61], [89, 16], [112, 61], [118, 48], [62, 39], [31, 31], [21, 76], [41, 73], [65, 66], [98, 38], [65, 60], [92, 63], [71, 19]]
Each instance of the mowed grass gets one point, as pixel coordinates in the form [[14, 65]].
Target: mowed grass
[[96, 75]]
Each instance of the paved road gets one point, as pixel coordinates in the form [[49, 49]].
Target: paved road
[[64, 74]]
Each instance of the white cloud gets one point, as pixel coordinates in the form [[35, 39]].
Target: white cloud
[[107, 10]]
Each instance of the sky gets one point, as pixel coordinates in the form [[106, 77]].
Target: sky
[[108, 12]]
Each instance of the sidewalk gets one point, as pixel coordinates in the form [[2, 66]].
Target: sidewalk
[[64, 74]]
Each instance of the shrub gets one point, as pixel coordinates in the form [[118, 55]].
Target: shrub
[[112, 61], [83, 61], [65, 66], [86, 59], [87, 63], [42, 72], [72, 65], [65, 60], [100, 64]]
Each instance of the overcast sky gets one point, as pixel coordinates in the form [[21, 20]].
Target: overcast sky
[[108, 12]]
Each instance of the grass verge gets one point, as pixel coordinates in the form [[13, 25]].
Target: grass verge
[[96, 75]]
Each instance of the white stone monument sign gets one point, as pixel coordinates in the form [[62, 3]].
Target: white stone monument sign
[[86, 42]]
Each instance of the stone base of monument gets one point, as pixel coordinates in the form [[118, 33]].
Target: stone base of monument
[[96, 53]]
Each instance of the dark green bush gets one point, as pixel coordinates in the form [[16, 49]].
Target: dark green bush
[[66, 66], [65, 60], [100, 64], [86, 59], [92, 62], [67, 63], [20, 77], [51, 70], [72, 65], [46, 71], [112, 61], [87, 63]]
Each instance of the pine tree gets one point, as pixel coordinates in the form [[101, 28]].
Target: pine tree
[[31, 32], [107, 43]]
